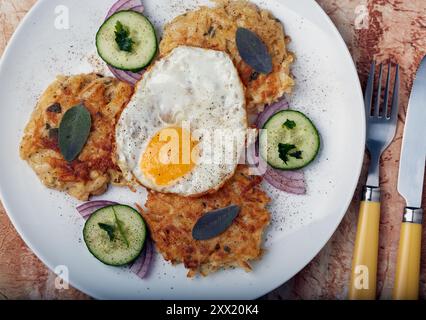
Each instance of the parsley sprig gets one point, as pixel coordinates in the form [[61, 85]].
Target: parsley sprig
[[290, 124], [287, 150], [122, 37]]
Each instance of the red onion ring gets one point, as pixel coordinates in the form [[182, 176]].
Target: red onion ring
[[279, 180], [149, 253], [121, 5], [87, 208], [139, 8], [270, 110], [126, 76], [137, 264]]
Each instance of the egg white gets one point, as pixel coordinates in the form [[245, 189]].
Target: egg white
[[202, 88]]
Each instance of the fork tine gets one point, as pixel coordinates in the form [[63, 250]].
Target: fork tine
[[395, 96], [368, 96], [386, 110], [379, 93]]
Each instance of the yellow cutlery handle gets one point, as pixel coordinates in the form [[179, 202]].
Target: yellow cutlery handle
[[364, 263], [408, 261]]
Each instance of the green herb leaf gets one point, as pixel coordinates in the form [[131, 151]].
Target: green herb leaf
[[214, 222], [284, 152], [74, 130], [296, 154], [290, 124], [284, 149], [120, 227], [253, 51], [122, 37], [108, 228]]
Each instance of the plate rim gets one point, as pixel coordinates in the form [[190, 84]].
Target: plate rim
[[259, 293]]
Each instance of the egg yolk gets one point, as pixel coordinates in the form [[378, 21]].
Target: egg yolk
[[168, 155]]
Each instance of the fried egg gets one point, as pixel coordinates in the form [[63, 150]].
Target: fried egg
[[184, 129]]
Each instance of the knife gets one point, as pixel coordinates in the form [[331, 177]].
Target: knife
[[410, 186]]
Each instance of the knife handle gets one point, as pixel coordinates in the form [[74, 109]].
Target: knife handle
[[408, 261], [364, 262]]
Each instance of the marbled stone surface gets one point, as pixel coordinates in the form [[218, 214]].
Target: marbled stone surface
[[392, 30]]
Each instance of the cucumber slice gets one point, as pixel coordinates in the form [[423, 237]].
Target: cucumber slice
[[115, 234], [140, 31], [290, 140]]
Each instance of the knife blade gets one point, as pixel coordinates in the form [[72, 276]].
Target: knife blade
[[413, 150]]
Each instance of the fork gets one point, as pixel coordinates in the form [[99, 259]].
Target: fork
[[381, 127]]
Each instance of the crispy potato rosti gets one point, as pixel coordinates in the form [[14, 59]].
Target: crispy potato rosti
[[171, 219], [215, 28], [94, 168]]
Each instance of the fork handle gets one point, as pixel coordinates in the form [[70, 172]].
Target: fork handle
[[364, 262], [408, 261]]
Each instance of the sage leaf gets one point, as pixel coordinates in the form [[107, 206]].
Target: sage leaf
[[120, 227], [215, 222], [109, 229], [253, 51], [74, 130]]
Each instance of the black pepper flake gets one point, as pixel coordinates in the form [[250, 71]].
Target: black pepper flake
[[254, 76], [55, 108], [226, 249], [211, 32]]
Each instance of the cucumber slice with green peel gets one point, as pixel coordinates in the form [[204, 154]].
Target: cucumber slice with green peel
[[127, 41], [115, 234], [289, 140]]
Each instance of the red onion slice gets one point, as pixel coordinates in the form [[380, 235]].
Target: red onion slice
[[127, 76], [276, 182], [149, 253], [279, 180], [116, 6], [270, 110], [137, 264], [135, 75], [121, 5], [87, 208], [292, 175], [139, 8]]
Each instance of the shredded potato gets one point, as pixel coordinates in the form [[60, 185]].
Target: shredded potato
[[172, 217], [95, 166], [215, 28]]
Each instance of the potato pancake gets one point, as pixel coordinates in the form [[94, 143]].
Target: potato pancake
[[90, 173], [171, 219], [215, 28]]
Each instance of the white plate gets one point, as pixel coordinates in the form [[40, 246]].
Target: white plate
[[327, 90]]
